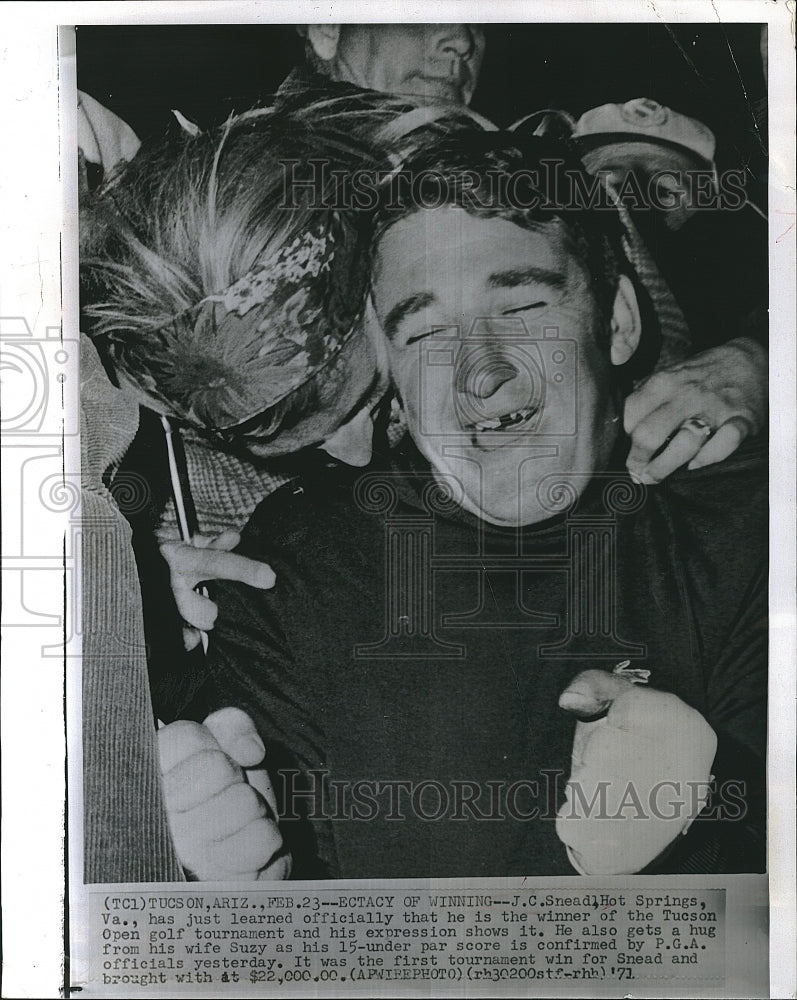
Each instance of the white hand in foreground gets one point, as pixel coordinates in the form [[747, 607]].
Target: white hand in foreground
[[208, 558], [222, 817], [639, 774], [725, 388]]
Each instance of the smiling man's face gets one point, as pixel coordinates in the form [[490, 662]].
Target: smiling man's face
[[492, 335]]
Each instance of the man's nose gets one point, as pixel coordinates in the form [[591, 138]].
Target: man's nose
[[486, 373], [353, 442]]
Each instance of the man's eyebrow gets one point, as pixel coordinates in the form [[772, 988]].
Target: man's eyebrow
[[400, 311], [516, 277]]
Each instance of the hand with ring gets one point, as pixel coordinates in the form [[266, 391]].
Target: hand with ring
[[696, 412]]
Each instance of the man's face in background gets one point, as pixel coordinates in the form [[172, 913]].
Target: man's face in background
[[492, 335], [440, 61]]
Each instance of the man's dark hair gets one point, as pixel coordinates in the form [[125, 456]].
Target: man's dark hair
[[528, 180]]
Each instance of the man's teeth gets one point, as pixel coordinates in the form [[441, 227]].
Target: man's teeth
[[506, 420]]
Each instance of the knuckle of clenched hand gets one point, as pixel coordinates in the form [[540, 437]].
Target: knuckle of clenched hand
[[180, 739], [251, 847], [181, 729], [189, 836], [212, 770], [266, 837], [243, 801]]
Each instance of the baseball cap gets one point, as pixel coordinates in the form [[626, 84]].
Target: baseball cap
[[645, 120]]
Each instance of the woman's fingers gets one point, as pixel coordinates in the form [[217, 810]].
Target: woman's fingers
[[681, 449], [651, 432], [722, 444], [209, 558], [193, 565], [226, 541]]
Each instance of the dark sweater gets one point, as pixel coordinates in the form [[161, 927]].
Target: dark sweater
[[453, 681]]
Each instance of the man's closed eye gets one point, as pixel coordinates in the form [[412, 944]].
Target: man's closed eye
[[527, 308], [426, 333]]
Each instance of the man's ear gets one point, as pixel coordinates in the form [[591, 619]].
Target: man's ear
[[626, 323], [324, 39], [373, 332]]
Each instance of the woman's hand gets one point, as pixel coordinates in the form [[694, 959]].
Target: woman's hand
[[209, 558], [702, 408]]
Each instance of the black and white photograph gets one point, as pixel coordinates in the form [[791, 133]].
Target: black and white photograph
[[451, 448], [421, 543]]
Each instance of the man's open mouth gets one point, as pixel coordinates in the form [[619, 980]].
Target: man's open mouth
[[506, 421], [505, 430]]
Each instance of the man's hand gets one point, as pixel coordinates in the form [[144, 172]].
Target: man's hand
[[222, 817], [640, 774], [706, 406], [209, 558]]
